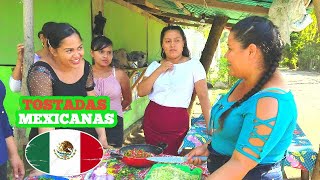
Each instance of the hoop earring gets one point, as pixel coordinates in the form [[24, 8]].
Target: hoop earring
[[42, 44]]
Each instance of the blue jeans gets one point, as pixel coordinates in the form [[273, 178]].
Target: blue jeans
[[3, 171], [261, 171]]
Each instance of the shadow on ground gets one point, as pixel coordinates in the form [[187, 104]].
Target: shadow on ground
[[135, 137]]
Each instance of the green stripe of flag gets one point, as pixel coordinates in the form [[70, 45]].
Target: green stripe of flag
[[37, 152]]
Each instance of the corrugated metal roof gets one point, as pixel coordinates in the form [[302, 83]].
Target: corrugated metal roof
[[234, 9], [198, 10], [211, 12], [262, 3], [167, 6]]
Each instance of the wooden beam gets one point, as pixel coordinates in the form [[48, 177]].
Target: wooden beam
[[142, 2], [316, 168], [177, 16], [96, 6], [138, 10], [307, 3], [139, 79], [257, 10], [180, 6], [210, 47], [316, 4], [184, 23]]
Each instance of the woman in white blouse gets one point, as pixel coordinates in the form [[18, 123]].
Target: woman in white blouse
[[170, 85]]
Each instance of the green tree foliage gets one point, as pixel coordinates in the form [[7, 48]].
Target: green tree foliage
[[310, 34], [309, 58], [222, 73], [290, 53], [304, 49]]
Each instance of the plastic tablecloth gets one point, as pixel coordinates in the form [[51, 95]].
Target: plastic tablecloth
[[300, 153]]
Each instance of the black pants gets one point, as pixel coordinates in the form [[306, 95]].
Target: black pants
[[260, 172], [3, 171], [115, 134]]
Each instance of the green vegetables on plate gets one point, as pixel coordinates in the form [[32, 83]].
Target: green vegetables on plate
[[173, 172]]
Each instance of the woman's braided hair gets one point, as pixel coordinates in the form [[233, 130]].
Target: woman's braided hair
[[265, 35]]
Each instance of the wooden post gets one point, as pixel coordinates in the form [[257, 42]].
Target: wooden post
[[304, 175], [96, 6], [217, 27], [20, 133], [316, 168], [316, 4]]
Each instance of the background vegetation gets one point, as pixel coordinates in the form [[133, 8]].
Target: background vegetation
[[302, 54]]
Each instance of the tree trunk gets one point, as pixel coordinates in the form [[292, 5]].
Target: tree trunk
[[316, 168], [217, 27], [316, 5], [20, 133]]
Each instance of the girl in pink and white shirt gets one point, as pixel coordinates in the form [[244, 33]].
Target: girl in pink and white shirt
[[112, 82]]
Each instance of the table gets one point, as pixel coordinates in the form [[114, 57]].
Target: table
[[300, 154], [117, 170]]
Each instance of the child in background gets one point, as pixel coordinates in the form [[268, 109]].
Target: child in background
[[112, 82]]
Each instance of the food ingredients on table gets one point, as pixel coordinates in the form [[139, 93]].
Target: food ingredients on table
[[172, 173], [137, 153], [101, 174], [127, 173]]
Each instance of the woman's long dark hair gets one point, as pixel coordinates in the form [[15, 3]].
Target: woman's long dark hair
[[100, 42], [185, 51], [59, 32], [265, 35], [46, 29]]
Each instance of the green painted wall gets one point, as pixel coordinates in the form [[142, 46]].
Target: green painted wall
[[154, 47], [11, 33], [75, 12], [11, 30], [132, 31], [137, 111], [126, 28]]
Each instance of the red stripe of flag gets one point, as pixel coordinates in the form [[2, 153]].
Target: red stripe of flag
[[91, 152]]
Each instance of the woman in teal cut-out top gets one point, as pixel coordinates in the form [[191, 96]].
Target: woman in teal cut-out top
[[254, 122]]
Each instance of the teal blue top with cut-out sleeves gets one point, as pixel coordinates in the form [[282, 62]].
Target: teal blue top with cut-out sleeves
[[242, 122]]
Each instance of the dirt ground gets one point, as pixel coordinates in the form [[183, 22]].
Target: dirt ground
[[306, 89]]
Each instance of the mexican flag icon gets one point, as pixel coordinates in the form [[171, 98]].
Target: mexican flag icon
[[64, 152]]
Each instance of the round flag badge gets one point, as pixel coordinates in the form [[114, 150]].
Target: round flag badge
[[64, 152]]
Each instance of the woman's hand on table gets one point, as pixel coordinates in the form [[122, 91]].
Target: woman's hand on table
[[109, 147], [104, 142], [198, 151]]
